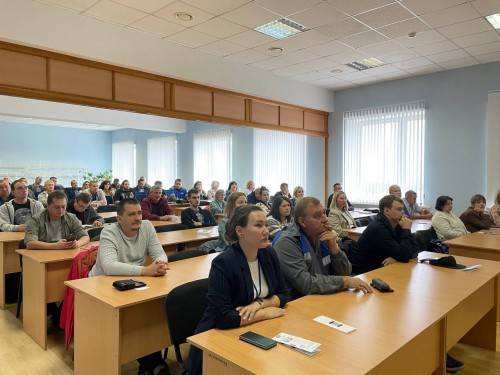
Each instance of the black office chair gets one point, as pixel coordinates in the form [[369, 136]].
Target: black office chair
[[112, 219], [95, 233], [107, 208], [184, 307], [362, 221], [171, 227], [186, 254], [21, 245]]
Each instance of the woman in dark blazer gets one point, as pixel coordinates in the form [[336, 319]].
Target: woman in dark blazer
[[245, 284]]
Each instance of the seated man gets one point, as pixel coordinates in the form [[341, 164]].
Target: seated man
[[15, 213], [177, 191], [97, 197], [195, 217], [395, 190], [56, 185], [156, 207], [310, 258], [5, 191], [386, 240], [54, 228], [123, 249], [254, 197], [412, 209], [36, 187], [283, 191], [82, 209], [44, 195], [72, 192]]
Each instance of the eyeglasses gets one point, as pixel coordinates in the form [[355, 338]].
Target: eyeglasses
[[82, 207]]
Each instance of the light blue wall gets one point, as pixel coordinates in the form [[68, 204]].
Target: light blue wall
[[46, 147], [456, 127]]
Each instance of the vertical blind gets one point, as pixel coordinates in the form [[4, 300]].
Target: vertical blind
[[384, 146], [162, 161], [123, 161], [279, 157], [212, 157]]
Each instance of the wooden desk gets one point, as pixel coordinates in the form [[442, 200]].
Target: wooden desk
[[107, 215], [178, 210], [161, 223], [131, 324], [9, 260], [419, 224], [410, 329], [44, 273], [357, 214], [188, 238]]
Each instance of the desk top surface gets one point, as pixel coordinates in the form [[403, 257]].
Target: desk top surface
[[419, 224], [487, 239], [11, 236], [187, 235], [56, 255]]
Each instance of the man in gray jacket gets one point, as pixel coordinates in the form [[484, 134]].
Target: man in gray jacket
[[310, 258], [16, 213]]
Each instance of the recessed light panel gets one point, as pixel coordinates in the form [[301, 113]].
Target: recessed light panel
[[494, 20], [281, 28], [372, 62]]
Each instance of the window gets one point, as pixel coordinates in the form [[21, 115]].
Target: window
[[384, 146], [212, 157], [123, 161], [279, 157], [162, 161]]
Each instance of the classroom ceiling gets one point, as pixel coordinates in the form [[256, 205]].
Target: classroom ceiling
[[449, 34]]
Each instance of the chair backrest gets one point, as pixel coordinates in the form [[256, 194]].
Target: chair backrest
[[140, 195], [112, 219], [424, 237], [171, 227], [185, 254], [107, 208], [184, 307], [95, 233], [362, 221]]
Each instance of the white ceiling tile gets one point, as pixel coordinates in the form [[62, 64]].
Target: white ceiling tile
[[327, 81], [394, 75], [342, 28], [216, 7], [487, 7], [286, 7], [432, 49], [219, 27], [363, 39], [310, 76], [427, 6], [427, 69], [384, 69], [384, 16], [353, 76], [449, 16], [149, 6], [168, 13], [403, 28], [250, 15], [318, 64], [295, 42], [465, 28], [425, 37], [367, 81], [222, 48], [489, 57], [192, 38], [354, 7], [413, 63], [113, 12], [75, 5], [342, 86], [291, 70], [349, 56], [484, 49], [397, 56], [318, 15], [382, 49], [299, 56], [477, 39], [273, 63], [248, 56], [343, 70], [250, 39], [448, 56], [460, 63], [157, 26], [329, 48]]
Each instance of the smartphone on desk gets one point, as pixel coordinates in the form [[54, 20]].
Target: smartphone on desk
[[262, 342], [71, 237]]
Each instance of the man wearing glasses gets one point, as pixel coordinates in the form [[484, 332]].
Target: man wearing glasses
[[82, 209]]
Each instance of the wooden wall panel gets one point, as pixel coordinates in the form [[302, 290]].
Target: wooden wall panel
[[23, 70], [291, 117], [139, 90], [315, 122], [80, 80], [229, 106], [192, 100], [264, 113]]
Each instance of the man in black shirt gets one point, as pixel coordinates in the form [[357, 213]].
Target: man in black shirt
[[195, 217], [82, 209]]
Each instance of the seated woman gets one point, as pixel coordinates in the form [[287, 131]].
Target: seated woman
[[245, 283], [298, 194], [495, 210], [280, 215], [123, 192], [250, 188], [445, 222], [214, 187], [474, 217], [108, 190], [198, 185], [85, 187], [218, 204], [263, 203], [234, 201], [339, 217], [232, 188]]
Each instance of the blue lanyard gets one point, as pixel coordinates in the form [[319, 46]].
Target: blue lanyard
[[257, 292]]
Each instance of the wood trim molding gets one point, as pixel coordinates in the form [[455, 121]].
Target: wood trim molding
[[39, 74]]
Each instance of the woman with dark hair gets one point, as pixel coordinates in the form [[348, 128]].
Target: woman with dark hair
[[495, 210], [108, 190], [123, 192], [245, 283], [263, 203], [198, 185], [232, 188], [280, 215], [474, 217], [445, 222]]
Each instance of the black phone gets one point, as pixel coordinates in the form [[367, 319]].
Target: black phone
[[262, 342], [381, 285], [71, 237]]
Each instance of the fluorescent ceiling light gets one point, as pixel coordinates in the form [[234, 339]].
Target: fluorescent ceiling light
[[281, 28], [372, 62], [494, 20]]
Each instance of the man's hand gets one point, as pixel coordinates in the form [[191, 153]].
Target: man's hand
[[197, 224], [358, 284], [157, 268], [21, 228], [97, 224], [63, 244], [166, 217], [389, 260], [405, 223], [330, 236]]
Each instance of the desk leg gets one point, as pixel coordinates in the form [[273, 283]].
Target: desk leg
[[9, 263], [97, 337], [34, 301]]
